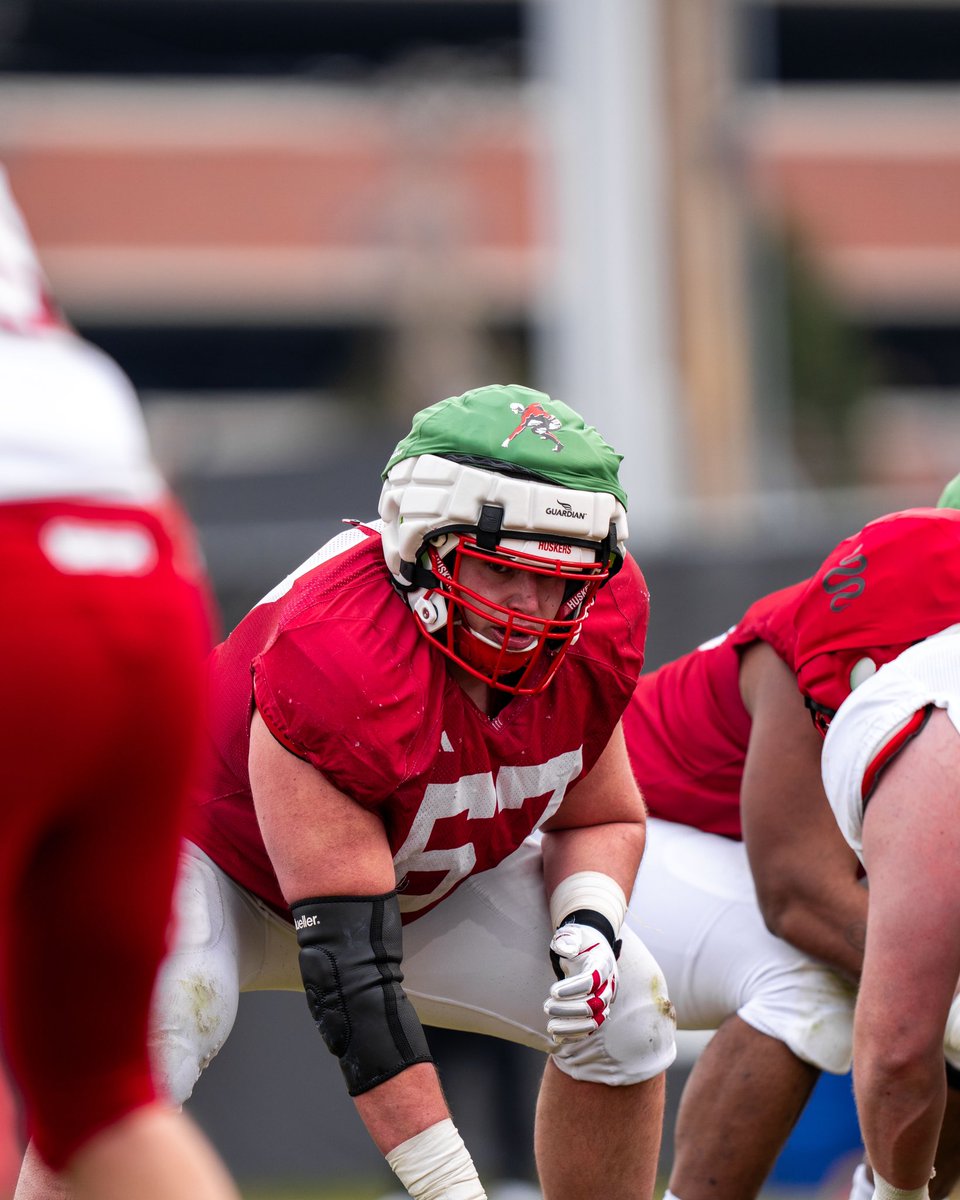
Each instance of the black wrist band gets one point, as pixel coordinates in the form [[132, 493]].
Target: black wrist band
[[597, 921], [589, 916]]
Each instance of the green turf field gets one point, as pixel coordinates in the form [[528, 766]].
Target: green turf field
[[360, 1192]]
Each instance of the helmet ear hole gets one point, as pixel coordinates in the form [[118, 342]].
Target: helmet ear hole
[[431, 611], [426, 611]]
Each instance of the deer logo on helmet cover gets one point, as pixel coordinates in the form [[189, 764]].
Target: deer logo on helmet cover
[[535, 419]]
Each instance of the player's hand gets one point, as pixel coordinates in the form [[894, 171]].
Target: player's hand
[[586, 965]]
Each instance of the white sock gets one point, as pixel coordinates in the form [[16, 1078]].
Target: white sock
[[861, 1188], [886, 1191]]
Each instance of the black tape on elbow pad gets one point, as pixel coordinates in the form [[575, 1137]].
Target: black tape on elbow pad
[[350, 952]]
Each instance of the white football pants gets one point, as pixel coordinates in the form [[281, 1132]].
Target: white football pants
[[478, 962], [695, 907]]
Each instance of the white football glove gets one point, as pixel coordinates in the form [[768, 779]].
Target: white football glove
[[579, 1002]]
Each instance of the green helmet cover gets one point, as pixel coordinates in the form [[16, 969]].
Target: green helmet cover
[[519, 427], [950, 496]]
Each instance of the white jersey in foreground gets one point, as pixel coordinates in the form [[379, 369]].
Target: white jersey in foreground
[[70, 424], [877, 711]]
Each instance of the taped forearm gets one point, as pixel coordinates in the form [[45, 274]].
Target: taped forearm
[[589, 898], [435, 1165], [589, 891]]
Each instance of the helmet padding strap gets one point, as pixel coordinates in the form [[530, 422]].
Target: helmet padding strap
[[489, 526]]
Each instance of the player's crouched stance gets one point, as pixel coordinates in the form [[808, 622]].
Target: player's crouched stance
[[389, 725], [891, 770]]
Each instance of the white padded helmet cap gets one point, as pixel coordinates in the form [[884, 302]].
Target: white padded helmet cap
[[424, 495]]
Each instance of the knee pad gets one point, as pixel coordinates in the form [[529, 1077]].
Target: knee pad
[[810, 1010], [350, 952], [637, 1041]]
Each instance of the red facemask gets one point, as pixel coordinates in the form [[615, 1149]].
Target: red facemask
[[539, 643]]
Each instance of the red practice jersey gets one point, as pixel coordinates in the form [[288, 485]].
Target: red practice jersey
[[343, 677], [686, 726], [888, 586], [885, 588]]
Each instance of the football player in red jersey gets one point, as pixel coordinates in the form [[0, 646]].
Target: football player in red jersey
[[723, 747], [388, 726], [878, 657], [106, 628]]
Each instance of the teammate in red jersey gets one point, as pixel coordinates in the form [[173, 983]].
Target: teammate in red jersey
[[99, 727], [723, 748], [878, 654], [388, 726]]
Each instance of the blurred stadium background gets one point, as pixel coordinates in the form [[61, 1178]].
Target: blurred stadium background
[[726, 230]]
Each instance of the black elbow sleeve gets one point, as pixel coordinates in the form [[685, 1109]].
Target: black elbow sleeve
[[350, 953]]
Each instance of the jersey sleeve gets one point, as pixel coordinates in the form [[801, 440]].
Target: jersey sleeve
[[631, 598], [340, 697], [605, 665], [772, 619], [878, 592]]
